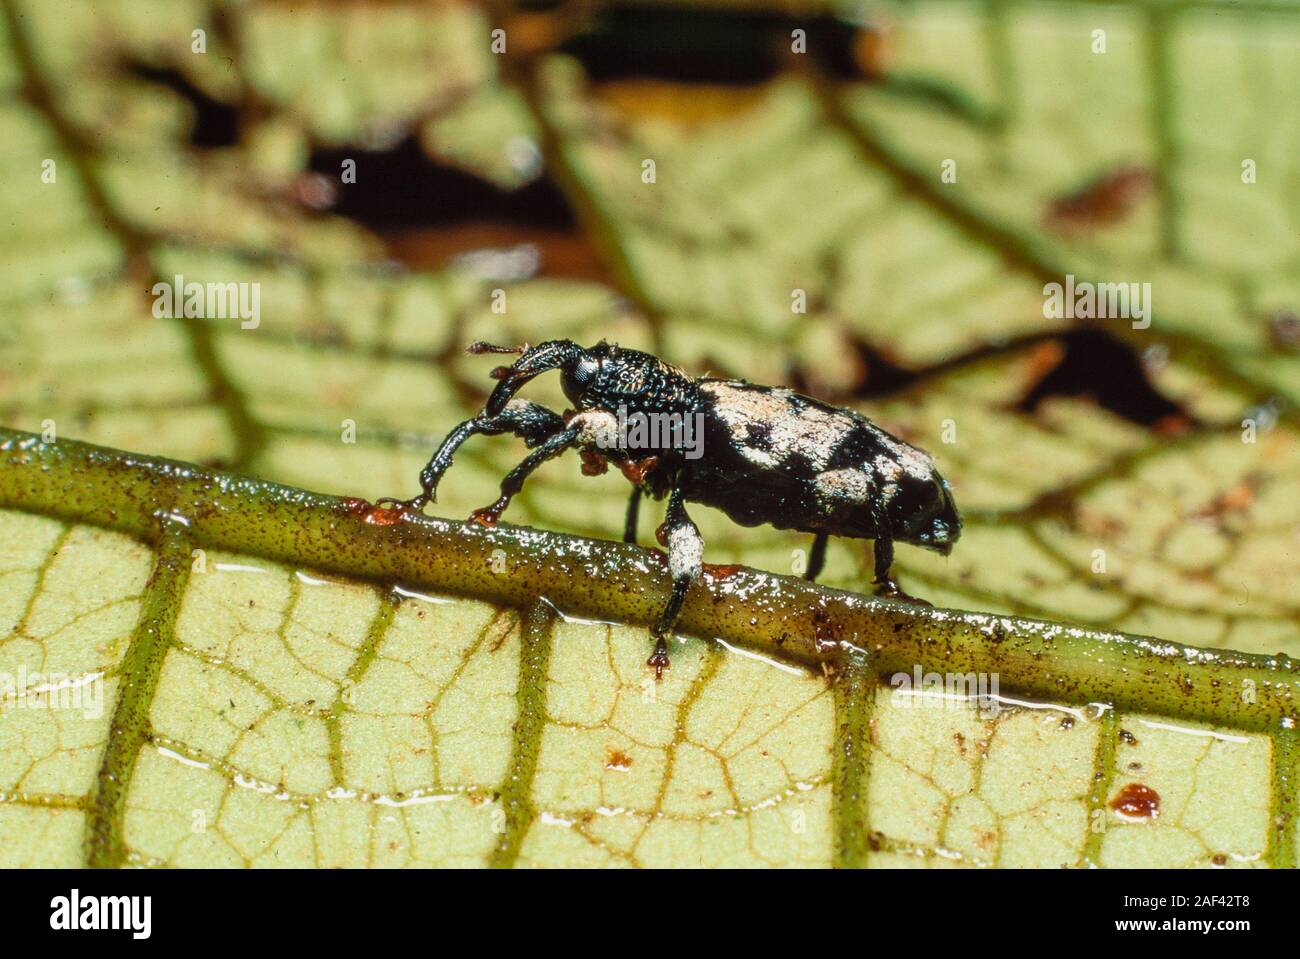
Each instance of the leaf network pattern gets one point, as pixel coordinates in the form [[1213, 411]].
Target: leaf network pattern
[[258, 713]]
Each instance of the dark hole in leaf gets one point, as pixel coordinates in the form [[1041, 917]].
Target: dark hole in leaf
[[431, 214], [707, 46], [882, 376], [216, 124], [1094, 364], [1099, 366], [402, 188]]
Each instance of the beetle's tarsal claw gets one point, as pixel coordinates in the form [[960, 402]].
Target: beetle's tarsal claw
[[413, 505], [489, 515], [659, 658], [891, 590]]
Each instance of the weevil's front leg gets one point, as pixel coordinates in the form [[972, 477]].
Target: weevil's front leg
[[685, 561], [885, 585], [531, 422], [633, 513], [816, 557]]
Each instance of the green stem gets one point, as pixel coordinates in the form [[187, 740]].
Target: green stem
[[141, 667], [1283, 838], [1159, 25], [366, 655], [797, 620], [855, 692], [536, 634], [1103, 777]]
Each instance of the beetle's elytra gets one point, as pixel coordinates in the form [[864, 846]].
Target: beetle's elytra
[[760, 454]]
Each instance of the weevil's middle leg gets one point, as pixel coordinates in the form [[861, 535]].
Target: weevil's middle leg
[[589, 429], [633, 513], [816, 557], [884, 555], [514, 480], [685, 561]]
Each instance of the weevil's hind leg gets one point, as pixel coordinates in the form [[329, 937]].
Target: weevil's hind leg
[[514, 481], [633, 512], [531, 422], [685, 561], [816, 557]]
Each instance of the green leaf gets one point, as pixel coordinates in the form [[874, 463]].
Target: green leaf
[[200, 666], [258, 704]]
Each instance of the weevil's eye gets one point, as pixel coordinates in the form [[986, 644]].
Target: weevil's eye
[[576, 380]]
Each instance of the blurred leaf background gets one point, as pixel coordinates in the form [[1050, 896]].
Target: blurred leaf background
[[797, 151]]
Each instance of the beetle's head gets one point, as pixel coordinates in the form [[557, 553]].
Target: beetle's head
[[922, 511], [588, 376], [579, 369]]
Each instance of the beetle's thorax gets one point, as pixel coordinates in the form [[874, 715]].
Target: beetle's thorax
[[637, 383]]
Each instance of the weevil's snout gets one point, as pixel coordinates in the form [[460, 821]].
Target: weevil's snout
[[927, 516], [562, 355], [510, 381]]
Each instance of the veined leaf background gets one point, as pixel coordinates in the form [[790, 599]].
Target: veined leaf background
[[202, 670]]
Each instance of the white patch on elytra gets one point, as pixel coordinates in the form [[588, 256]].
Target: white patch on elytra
[[887, 468], [844, 485], [909, 459], [685, 551], [810, 432]]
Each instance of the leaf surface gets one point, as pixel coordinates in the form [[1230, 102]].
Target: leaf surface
[[314, 686]]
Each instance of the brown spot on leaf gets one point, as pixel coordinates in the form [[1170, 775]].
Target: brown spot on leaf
[[1237, 499], [1107, 200], [618, 760], [1175, 424], [1136, 801], [1284, 331], [1043, 358]]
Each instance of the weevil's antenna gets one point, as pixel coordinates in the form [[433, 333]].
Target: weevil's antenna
[[478, 347]]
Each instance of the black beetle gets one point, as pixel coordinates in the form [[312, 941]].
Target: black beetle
[[760, 454]]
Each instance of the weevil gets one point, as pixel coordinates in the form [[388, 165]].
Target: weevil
[[760, 454]]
